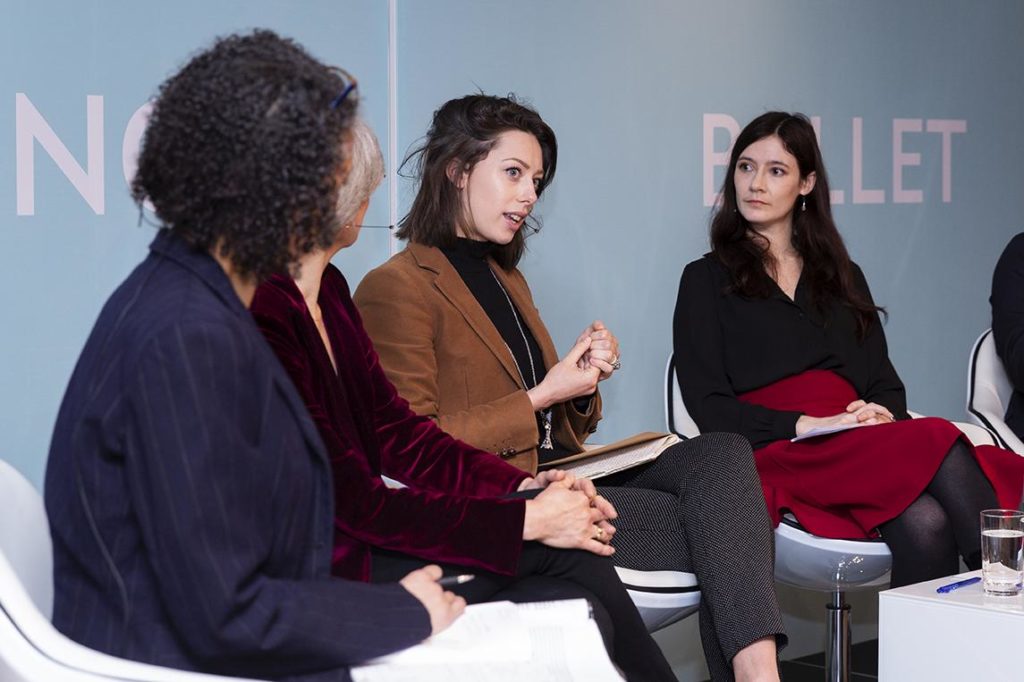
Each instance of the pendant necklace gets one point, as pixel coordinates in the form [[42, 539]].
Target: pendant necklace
[[547, 444]]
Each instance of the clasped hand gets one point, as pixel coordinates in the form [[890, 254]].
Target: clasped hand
[[592, 359], [857, 412], [604, 349], [568, 513]]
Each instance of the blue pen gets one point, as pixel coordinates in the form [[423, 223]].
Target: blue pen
[[957, 585]]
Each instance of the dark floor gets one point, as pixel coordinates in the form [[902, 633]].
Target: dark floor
[[863, 665]]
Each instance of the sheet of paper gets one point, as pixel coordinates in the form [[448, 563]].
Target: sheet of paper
[[826, 430], [502, 642], [470, 638]]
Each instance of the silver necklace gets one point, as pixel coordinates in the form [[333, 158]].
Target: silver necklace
[[545, 414]]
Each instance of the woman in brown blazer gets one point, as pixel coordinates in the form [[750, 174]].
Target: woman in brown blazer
[[457, 332], [466, 379]]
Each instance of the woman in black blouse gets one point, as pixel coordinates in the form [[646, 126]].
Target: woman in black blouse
[[776, 335]]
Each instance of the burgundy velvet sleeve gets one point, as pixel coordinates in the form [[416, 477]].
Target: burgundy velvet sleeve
[[474, 531], [414, 448]]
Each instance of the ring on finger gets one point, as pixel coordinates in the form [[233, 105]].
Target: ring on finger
[[600, 533], [617, 364]]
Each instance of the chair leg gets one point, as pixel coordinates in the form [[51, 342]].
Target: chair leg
[[837, 649]]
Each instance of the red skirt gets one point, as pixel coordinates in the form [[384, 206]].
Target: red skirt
[[845, 484]]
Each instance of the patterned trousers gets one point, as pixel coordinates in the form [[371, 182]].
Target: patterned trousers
[[699, 508]]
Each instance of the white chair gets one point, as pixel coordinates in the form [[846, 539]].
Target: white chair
[[806, 560], [661, 597], [31, 649], [989, 391]]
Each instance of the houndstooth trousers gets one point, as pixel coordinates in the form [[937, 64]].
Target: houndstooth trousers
[[699, 508]]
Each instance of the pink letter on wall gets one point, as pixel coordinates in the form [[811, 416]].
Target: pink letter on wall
[[946, 128], [900, 159], [861, 195], [713, 158], [836, 196], [31, 127]]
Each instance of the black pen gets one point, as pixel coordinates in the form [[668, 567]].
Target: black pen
[[453, 580]]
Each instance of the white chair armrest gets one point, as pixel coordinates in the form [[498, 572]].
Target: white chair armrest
[[976, 434]]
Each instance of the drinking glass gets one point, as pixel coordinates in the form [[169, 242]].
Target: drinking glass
[[1002, 551]]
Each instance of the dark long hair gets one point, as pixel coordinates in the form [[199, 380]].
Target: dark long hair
[[827, 270], [462, 133]]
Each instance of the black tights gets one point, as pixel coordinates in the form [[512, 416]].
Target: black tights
[[941, 524]]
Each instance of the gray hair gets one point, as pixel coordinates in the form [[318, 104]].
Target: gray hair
[[365, 172]]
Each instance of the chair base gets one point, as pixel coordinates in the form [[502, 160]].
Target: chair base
[[837, 649]]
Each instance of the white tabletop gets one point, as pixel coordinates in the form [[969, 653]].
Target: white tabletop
[[970, 597]]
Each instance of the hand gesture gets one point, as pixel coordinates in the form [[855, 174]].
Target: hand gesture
[[567, 379], [604, 349]]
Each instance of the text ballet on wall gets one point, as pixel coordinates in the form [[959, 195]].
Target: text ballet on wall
[[860, 194]]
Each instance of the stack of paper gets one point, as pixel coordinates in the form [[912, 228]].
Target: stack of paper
[[595, 462]]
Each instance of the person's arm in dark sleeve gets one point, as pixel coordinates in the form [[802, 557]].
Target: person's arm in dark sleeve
[[701, 371], [884, 386], [203, 485], [1008, 310]]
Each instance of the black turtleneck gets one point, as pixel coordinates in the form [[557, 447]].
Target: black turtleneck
[[469, 258]]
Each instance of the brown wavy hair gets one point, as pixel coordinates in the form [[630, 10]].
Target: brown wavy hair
[[463, 132], [827, 270]]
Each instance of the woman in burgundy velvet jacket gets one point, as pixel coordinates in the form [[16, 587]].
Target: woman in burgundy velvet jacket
[[461, 506]]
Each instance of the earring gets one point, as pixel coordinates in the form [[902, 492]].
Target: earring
[[803, 203], [347, 226]]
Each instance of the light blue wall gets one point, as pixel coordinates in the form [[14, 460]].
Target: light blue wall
[[626, 86], [62, 262]]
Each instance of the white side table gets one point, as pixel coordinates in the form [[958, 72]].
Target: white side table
[[961, 635]]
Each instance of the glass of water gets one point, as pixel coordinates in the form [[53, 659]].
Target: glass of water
[[1002, 551]]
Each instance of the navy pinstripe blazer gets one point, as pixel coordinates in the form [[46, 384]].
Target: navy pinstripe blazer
[[190, 497]]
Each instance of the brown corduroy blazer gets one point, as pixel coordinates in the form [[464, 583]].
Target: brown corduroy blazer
[[446, 358]]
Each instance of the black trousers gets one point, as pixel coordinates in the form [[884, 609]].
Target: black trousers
[[699, 508], [544, 574]]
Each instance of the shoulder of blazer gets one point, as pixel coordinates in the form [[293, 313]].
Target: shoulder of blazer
[[427, 257]]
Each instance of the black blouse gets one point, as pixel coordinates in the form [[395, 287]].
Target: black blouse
[[726, 344], [469, 258]]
